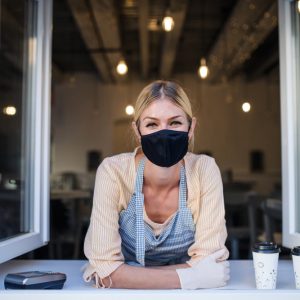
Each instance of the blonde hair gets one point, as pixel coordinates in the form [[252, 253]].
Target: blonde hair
[[159, 89]]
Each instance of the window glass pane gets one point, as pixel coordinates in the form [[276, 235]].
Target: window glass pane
[[16, 53], [296, 27]]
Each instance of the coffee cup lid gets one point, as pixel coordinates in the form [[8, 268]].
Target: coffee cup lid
[[266, 247], [296, 251]]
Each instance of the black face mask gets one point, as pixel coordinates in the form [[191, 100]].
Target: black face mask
[[165, 147]]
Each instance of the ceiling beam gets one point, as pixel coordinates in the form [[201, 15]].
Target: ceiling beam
[[106, 22], [143, 6], [13, 41], [177, 10], [82, 15], [246, 28], [266, 65]]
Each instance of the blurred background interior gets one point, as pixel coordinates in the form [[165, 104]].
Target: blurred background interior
[[223, 53]]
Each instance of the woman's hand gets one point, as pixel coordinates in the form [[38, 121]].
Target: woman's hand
[[207, 273]]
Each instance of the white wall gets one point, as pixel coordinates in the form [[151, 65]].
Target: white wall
[[77, 126], [85, 111]]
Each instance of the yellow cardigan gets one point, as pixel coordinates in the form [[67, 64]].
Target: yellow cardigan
[[114, 186]]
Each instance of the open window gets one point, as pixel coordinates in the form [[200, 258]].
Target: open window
[[289, 35], [25, 49]]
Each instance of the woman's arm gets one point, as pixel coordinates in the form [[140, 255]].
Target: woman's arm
[[102, 244], [154, 277], [211, 232], [170, 267], [207, 273], [131, 277]]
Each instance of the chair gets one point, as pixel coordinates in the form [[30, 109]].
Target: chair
[[247, 204], [272, 209], [83, 222], [70, 211], [59, 224]]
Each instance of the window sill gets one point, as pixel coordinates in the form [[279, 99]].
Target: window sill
[[241, 285]]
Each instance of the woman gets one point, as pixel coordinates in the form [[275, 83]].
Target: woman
[[158, 213]]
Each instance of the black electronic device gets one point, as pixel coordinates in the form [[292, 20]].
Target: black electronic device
[[35, 280]]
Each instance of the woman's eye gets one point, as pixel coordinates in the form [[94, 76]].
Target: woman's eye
[[175, 123], [150, 125]]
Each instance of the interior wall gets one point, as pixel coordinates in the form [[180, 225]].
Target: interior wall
[[88, 115], [77, 124]]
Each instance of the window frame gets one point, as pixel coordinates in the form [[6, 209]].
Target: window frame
[[38, 160], [288, 95]]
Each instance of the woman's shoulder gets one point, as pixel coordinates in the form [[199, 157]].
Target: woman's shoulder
[[118, 161], [199, 163], [202, 171], [119, 167]]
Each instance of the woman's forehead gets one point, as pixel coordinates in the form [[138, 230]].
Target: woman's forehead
[[161, 109]]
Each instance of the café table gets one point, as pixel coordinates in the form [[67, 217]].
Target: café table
[[240, 287], [69, 194], [72, 199]]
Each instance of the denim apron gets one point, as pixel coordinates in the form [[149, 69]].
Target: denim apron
[[140, 246]]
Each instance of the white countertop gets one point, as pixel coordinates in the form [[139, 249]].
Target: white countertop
[[240, 286]]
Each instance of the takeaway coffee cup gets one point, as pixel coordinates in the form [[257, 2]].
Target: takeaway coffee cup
[[265, 260], [296, 265]]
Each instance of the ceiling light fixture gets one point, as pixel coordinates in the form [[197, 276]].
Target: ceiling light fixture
[[298, 6], [203, 69], [246, 107], [129, 110], [9, 110], [168, 23], [122, 68]]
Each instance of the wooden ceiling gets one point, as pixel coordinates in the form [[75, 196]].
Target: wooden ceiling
[[93, 35]]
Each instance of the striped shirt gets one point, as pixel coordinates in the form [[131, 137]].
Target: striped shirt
[[114, 186]]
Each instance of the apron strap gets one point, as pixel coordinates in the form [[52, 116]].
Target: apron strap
[[182, 189], [139, 214], [140, 176]]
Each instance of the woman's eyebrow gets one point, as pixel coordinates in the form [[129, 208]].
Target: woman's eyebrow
[[152, 118]]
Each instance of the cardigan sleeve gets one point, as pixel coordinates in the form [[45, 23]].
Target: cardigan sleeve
[[102, 245], [211, 232]]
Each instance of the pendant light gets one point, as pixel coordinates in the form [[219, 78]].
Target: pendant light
[[129, 110], [122, 68], [9, 110], [168, 23], [246, 107], [203, 69]]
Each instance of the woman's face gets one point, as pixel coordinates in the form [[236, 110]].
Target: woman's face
[[163, 114]]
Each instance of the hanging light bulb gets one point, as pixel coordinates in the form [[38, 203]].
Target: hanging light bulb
[[9, 110], [129, 110], [298, 6], [122, 68], [203, 69], [246, 107], [168, 23]]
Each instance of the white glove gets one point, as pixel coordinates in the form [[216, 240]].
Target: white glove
[[207, 273]]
